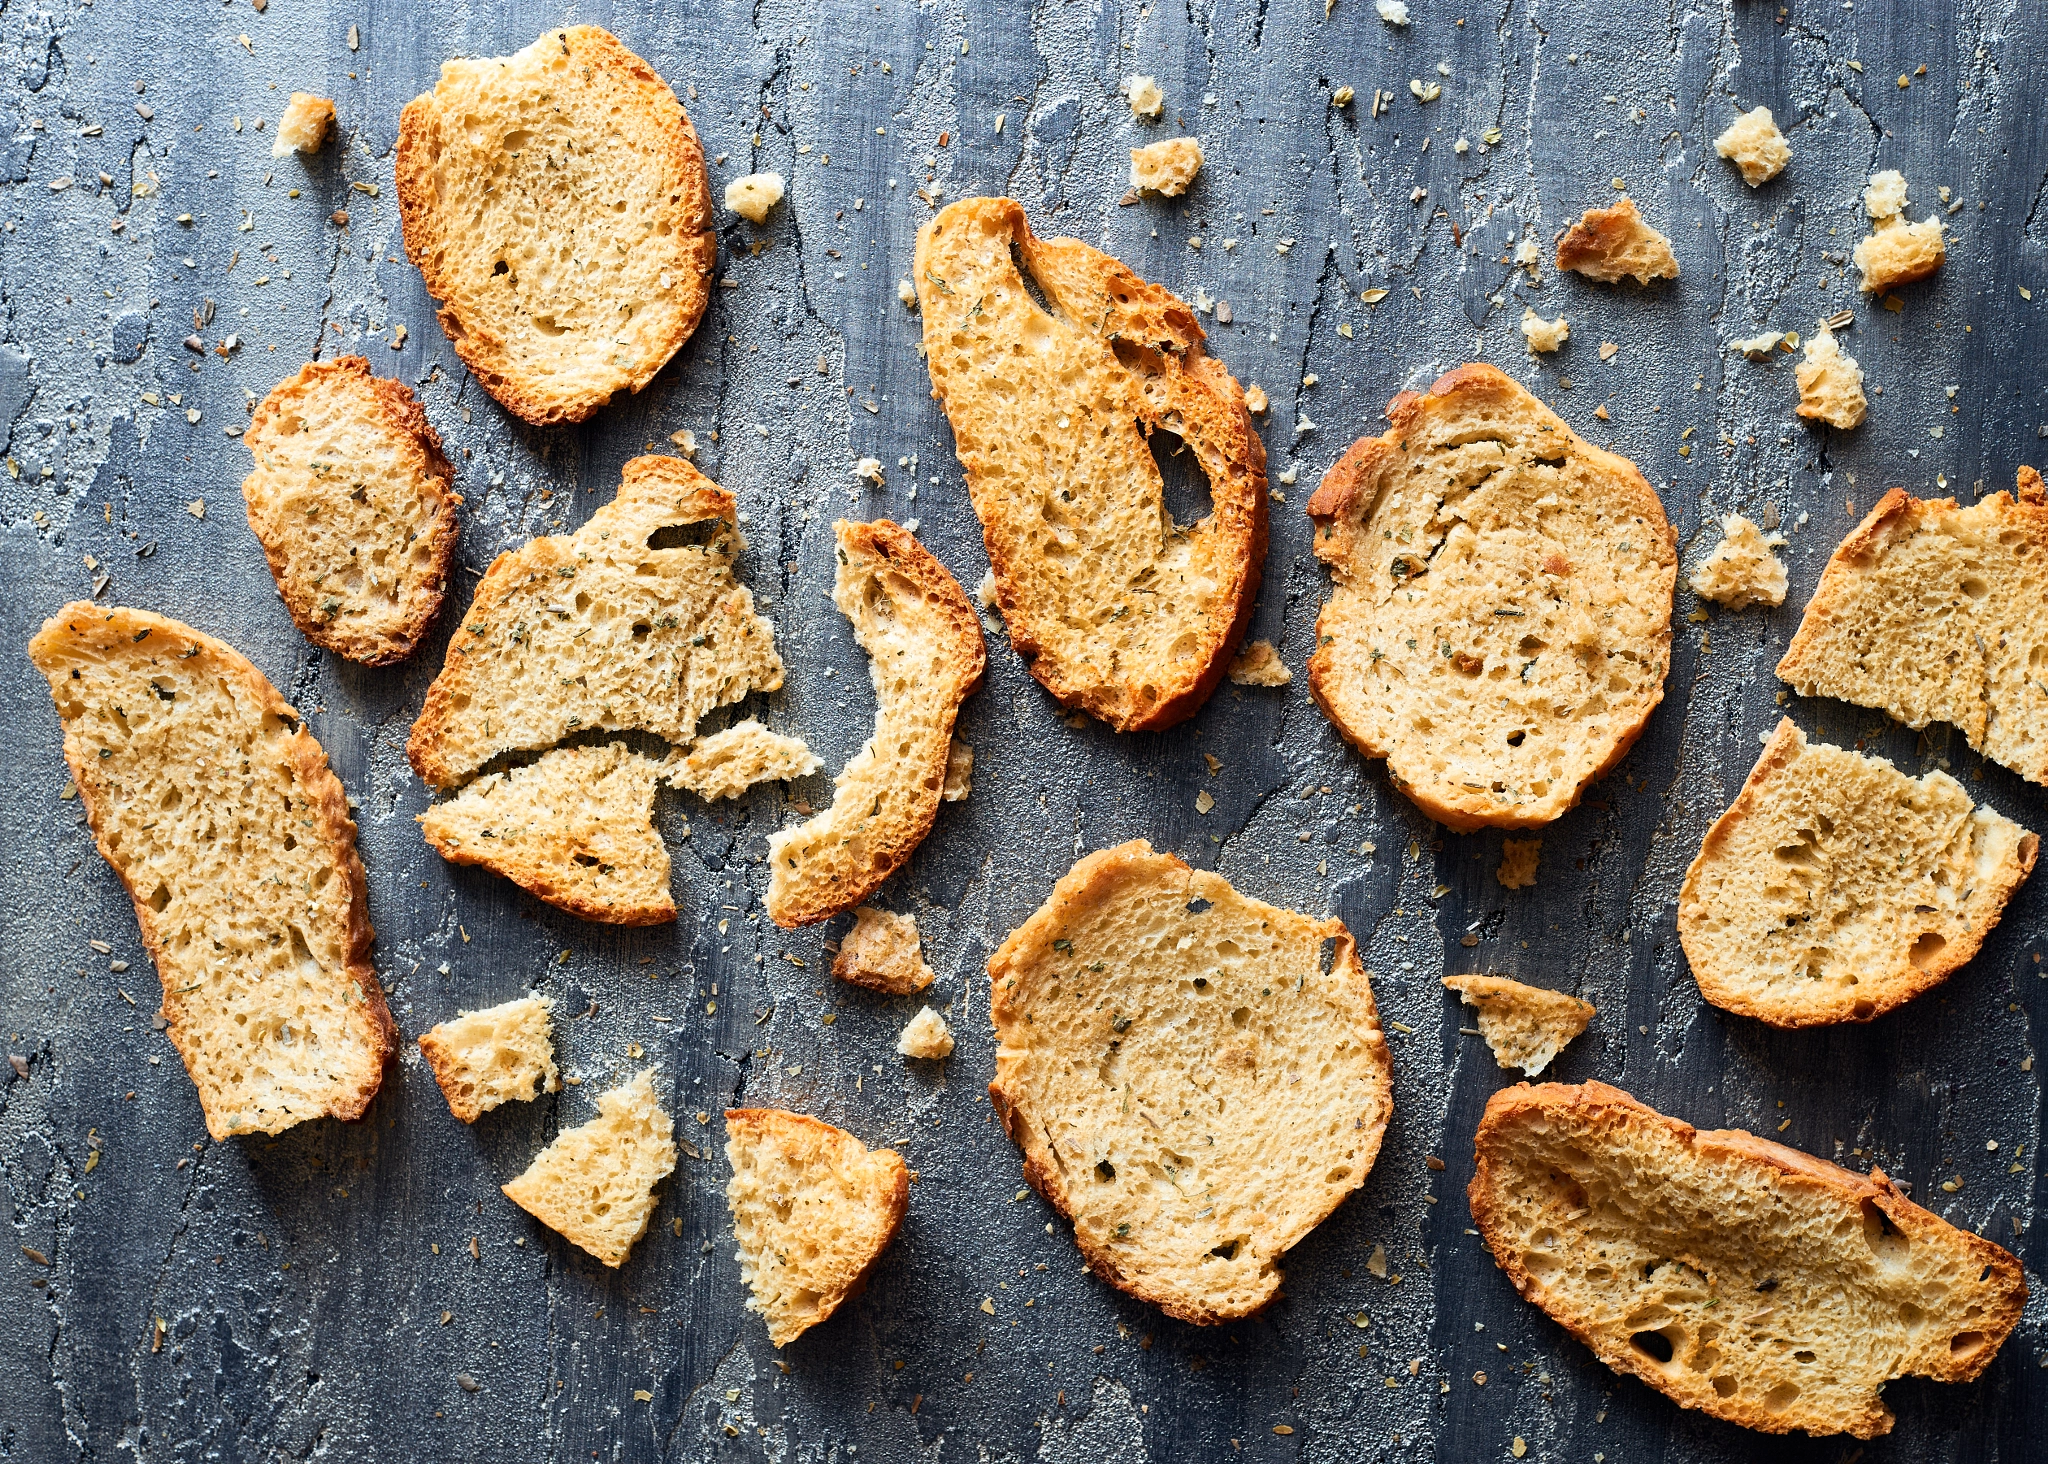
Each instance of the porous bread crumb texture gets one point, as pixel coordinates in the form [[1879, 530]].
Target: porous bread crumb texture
[[353, 502], [633, 622], [926, 1037], [1143, 93], [726, 764], [925, 656], [1196, 1078], [1500, 623], [574, 828], [1885, 198], [1258, 664], [219, 813], [1754, 144], [1743, 569], [594, 1185], [812, 1210], [556, 201], [304, 125], [1736, 1276], [1607, 244], [1937, 613], [1830, 383], [1518, 859], [1056, 413], [959, 772], [752, 196], [502, 1054], [1895, 252], [1525, 1026], [1544, 335], [1166, 167], [883, 952]]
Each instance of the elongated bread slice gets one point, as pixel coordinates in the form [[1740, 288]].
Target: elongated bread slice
[[502, 1054], [1500, 623], [1736, 1276], [556, 200], [218, 810], [1119, 610], [1525, 1026], [925, 656], [1836, 887], [352, 501], [812, 1210], [632, 622], [595, 1183], [1196, 1078], [1937, 613], [575, 828], [726, 764]]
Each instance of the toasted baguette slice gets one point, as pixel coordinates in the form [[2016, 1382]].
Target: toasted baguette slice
[[1525, 1026], [557, 201], [502, 1054], [1501, 620], [218, 810], [1937, 613], [883, 952], [632, 622], [1836, 888], [575, 829], [1197, 1079], [1607, 244], [594, 1184], [925, 656], [1119, 611], [352, 502], [726, 764], [1736, 1276], [812, 1210]]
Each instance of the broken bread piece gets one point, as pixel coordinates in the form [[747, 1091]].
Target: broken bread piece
[[594, 1185], [926, 1038], [925, 656], [502, 1054], [812, 1210], [1836, 887], [726, 764], [959, 772], [1895, 252], [1148, 1015], [1166, 167], [1525, 1026], [1500, 624], [1830, 383], [217, 809], [1120, 611], [1258, 664], [1736, 1276], [883, 952], [1544, 336], [1743, 569], [1518, 860], [1608, 244], [304, 125], [1754, 144]]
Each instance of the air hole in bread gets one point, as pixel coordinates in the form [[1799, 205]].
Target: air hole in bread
[[1196, 906], [1927, 948], [1781, 1397], [1185, 486], [1515, 737], [1653, 1344], [1725, 1386], [1105, 1171], [1967, 1344], [1229, 1249]]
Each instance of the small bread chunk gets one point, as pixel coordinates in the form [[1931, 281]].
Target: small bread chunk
[[1393, 12], [959, 772], [883, 952], [1608, 243], [633, 622], [925, 656], [1760, 347], [594, 1184], [1937, 613], [575, 829], [502, 1054], [1525, 1026], [1143, 93], [726, 764], [1743, 570], [812, 1210], [752, 196], [1885, 198], [304, 126], [1518, 860], [927, 1037], [352, 501], [1544, 335], [1120, 612], [1736, 1276], [1258, 664], [1501, 619], [1166, 167], [1754, 144], [1830, 383], [1895, 252], [217, 809], [556, 200], [1196, 1078]]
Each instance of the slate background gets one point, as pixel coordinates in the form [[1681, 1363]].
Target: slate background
[[319, 1292]]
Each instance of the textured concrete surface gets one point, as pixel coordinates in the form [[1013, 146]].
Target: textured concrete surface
[[365, 1291]]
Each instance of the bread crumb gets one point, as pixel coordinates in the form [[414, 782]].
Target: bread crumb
[[752, 196], [1759, 347], [1755, 145], [985, 592], [1258, 664], [1255, 400], [926, 1037], [883, 953], [1544, 335], [959, 772], [726, 764], [1898, 253], [304, 126], [1166, 167], [1830, 383], [685, 442], [907, 293], [1742, 571], [1393, 12], [1527, 255], [1885, 198], [1143, 93], [1607, 244], [870, 469], [1525, 1026], [1518, 863]]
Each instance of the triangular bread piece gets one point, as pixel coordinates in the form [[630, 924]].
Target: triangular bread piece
[[1734, 1275], [502, 1054], [1196, 1078], [1525, 1026], [1500, 623], [1613, 243], [726, 764], [1119, 610], [1836, 887], [594, 1184], [217, 808], [812, 1210], [883, 952]]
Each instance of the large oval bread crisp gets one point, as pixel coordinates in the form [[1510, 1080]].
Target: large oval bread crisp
[[1500, 624]]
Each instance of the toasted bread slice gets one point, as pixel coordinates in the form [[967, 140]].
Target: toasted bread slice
[[575, 828], [1734, 1275], [1119, 611], [1608, 244], [1196, 1078], [594, 1184], [883, 952], [218, 810], [556, 200], [1743, 569], [502, 1054], [1501, 620], [352, 501], [1525, 1026], [1937, 613], [1835, 887], [726, 764], [632, 622], [925, 656], [812, 1210]]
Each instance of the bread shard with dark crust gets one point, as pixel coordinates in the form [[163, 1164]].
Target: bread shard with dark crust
[[1613, 243], [1117, 609], [1734, 1275]]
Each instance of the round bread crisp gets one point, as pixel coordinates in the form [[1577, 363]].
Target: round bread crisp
[[556, 201], [1501, 621]]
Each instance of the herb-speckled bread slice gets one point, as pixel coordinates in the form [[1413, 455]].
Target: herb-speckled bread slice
[[594, 1184]]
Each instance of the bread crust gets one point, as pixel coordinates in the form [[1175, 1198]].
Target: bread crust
[[1609, 243]]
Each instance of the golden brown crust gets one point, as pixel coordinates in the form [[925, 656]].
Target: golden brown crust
[[1608, 243], [447, 1070]]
